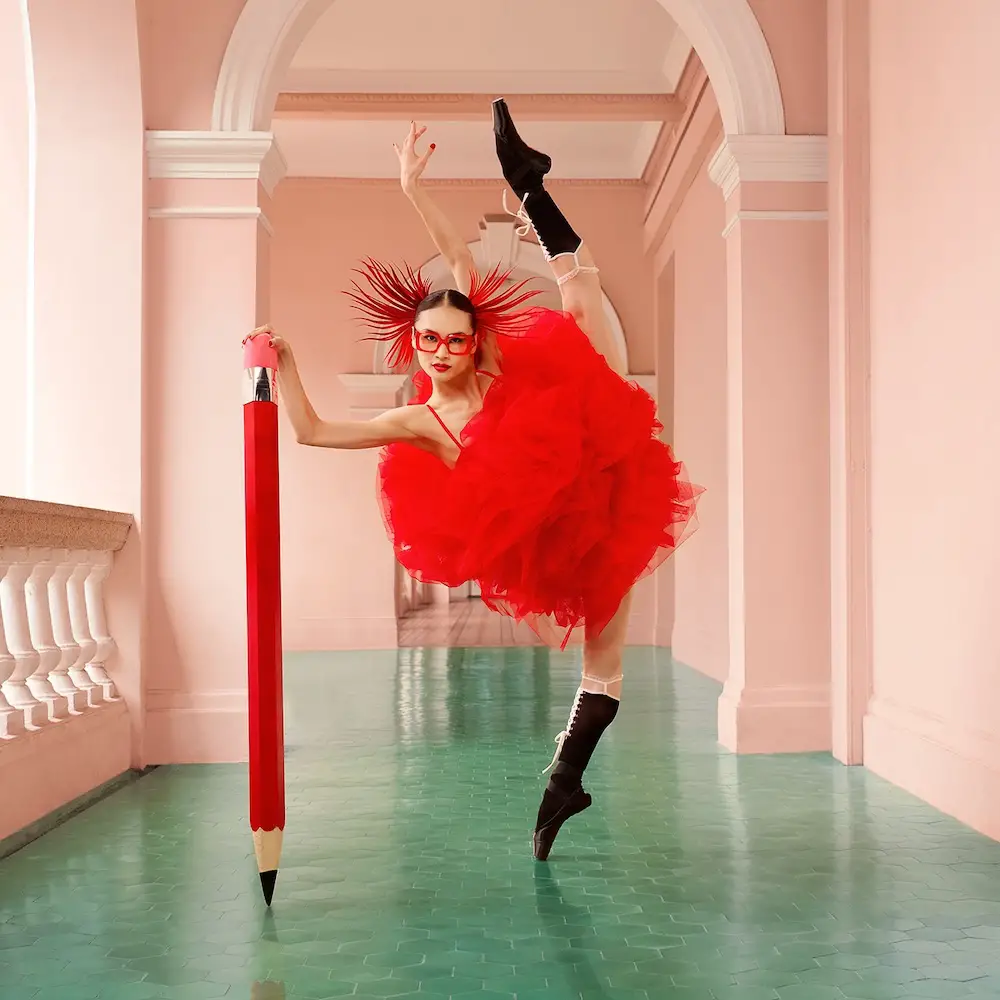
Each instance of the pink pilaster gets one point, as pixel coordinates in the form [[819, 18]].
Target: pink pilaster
[[207, 261], [777, 695], [850, 376]]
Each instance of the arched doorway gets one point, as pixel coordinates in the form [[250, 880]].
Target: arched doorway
[[724, 33]]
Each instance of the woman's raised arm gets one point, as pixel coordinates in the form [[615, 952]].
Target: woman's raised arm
[[445, 236]]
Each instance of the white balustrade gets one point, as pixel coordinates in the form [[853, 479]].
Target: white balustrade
[[54, 637], [62, 631], [36, 596], [16, 568], [80, 624], [63, 726], [93, 589]]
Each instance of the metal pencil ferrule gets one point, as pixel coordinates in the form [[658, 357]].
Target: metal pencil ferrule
[[260, 385]]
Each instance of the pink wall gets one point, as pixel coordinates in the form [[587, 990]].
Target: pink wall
[[203, 303], [322, 228], [935, 251], [796, 35], [88, 254], [14, 242], [183, 42], [700, 635]]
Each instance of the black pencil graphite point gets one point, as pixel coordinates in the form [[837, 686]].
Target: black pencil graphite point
[[267, 880]]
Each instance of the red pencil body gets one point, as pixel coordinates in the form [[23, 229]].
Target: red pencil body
[[266, 716]]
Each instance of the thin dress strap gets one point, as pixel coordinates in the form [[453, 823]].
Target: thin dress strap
[[437, 417]]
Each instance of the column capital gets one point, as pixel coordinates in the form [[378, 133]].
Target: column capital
[[216, 156], [769, 158]]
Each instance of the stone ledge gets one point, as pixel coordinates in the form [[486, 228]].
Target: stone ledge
[[38, 524]]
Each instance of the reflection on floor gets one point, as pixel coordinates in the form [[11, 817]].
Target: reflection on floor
[[466, 623], [413, 782]]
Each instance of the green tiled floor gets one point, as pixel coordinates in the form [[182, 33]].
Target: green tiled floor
[[413, 783]]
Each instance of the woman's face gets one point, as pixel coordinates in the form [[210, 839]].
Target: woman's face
[[444, 343]]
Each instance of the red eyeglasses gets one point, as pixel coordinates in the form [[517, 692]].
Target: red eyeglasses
[[457, 343]]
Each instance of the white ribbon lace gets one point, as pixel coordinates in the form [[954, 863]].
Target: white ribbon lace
[[526, 226], [585, 680]]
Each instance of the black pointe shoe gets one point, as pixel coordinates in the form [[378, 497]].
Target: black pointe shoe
[[571, 803], [524, 168]]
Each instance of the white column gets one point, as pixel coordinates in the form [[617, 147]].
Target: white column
[[62, 631], [15, 571], [36, 594], [80, 624], [93, 589]]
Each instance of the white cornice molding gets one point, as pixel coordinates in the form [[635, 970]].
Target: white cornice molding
[[593, 107], [492, 183], [216, 156], [784, 158], [213, 212], [776, 215]]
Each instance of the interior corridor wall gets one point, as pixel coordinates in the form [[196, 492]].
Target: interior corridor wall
[[700, 633], [337, 564], [935, 256]]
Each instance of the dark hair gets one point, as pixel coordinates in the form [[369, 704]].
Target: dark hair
[[448, 297]]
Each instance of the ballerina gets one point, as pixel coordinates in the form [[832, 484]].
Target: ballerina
[[526, 461]]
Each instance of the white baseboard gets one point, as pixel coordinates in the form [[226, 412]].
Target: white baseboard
[[204, 727], [775, 720], [955, 770]]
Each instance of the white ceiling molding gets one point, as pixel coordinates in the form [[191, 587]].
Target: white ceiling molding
[[492, 183], [724, 33], [216, 155], [213, 212], [786, 158], [335, 80], [450, 107], [775, 215]]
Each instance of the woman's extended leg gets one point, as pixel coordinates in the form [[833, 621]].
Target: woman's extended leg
[[571, 262]]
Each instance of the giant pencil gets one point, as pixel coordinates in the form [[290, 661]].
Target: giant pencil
[[267, 738]]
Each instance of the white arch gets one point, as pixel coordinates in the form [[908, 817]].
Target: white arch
[[529, 258], [724, 33]]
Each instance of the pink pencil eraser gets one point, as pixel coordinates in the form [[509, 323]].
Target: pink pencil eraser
[[259, 353]]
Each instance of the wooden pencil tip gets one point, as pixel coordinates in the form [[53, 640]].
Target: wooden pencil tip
[[267, 880]]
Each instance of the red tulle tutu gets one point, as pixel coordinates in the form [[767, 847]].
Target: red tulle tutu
[[562, 497]]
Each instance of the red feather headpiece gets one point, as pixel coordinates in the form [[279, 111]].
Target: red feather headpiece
[[389, 305]]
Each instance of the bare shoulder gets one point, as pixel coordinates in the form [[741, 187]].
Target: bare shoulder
[[403, 419]]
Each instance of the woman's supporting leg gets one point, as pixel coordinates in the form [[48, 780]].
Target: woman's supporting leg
[[572, 263], [594, 709]]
